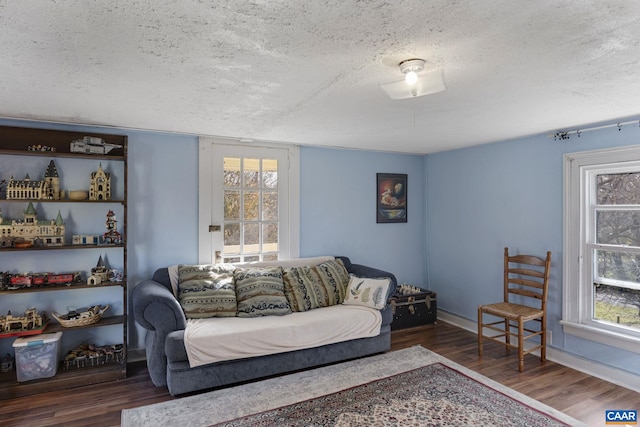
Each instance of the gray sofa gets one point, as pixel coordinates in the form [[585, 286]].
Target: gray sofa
[[156, 309]]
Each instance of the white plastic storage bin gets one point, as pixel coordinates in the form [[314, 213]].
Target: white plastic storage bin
[[37, 356]]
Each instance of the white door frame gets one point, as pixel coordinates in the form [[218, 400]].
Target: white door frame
[[205, 201]]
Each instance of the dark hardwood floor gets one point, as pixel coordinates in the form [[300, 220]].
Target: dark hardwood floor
[[574, 393]]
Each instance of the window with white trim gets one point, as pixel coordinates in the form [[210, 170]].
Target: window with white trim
[[601, 289]]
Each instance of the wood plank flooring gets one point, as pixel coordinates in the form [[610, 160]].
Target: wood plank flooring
[[577, 394]]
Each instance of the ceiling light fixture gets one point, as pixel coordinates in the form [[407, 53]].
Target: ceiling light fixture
[[411, 78], [413, 83], [410, 68]]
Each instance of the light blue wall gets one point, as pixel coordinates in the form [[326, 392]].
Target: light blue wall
[[163, 208], [484, 198], [477, 200], [338, 210]]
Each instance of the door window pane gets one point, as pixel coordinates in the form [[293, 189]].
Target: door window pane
[[269, 173], [250, 208], [270, 206], [231, 167], [232, 238], [251, 238], [251, 205], [270, 237], [251, 173], [231, 205]]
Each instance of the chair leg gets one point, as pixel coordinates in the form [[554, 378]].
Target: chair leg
[[507, 335], [520, 344], [543, 337], [480, 330]]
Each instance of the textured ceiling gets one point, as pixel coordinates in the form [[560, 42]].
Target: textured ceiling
[[308, 71]]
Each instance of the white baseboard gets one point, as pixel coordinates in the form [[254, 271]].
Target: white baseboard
[[598, 370]]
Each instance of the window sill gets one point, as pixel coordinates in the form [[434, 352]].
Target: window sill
[[613, 339]]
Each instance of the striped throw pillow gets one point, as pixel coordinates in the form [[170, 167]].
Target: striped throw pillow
[[260, 292], [207, 290]]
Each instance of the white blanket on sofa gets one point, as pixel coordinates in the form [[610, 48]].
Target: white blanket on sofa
[[227, 338]]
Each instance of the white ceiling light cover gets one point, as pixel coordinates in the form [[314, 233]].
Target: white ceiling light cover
[[428, 83]]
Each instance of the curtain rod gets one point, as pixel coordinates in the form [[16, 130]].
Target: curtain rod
[[562, 135]]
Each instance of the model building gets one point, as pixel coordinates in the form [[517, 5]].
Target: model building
[[100, 185], [28, 189], [32, 229]]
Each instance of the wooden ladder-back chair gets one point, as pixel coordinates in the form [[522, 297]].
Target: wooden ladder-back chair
[[526, 280]]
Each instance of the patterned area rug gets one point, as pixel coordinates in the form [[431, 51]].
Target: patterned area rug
[[412, 387]]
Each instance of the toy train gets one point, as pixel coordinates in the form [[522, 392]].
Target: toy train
[[21, 281]]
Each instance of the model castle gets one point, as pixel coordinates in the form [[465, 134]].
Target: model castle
[[30, 320], [99, 273], [32, 229], [100, 185], [49, 187], [28, 189]]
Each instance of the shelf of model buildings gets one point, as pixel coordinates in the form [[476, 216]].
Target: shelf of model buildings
[[20, 141], [34, 233], [15, 141]]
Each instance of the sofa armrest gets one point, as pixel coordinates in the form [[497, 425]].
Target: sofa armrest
[[155, 308]]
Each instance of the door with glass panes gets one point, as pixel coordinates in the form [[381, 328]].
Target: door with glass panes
[[249, 203]]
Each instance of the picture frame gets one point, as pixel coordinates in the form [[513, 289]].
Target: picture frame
[[391, 197]]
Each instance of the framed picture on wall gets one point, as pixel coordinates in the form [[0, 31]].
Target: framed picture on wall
[[391, 194]]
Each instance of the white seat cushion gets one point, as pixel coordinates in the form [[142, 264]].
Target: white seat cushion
[[227, 338]]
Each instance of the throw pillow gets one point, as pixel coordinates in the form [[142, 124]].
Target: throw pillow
[[207, 290], [299, 288], [368, 292], [334, 279], [173, 279], [310, 287], [260, 292]]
